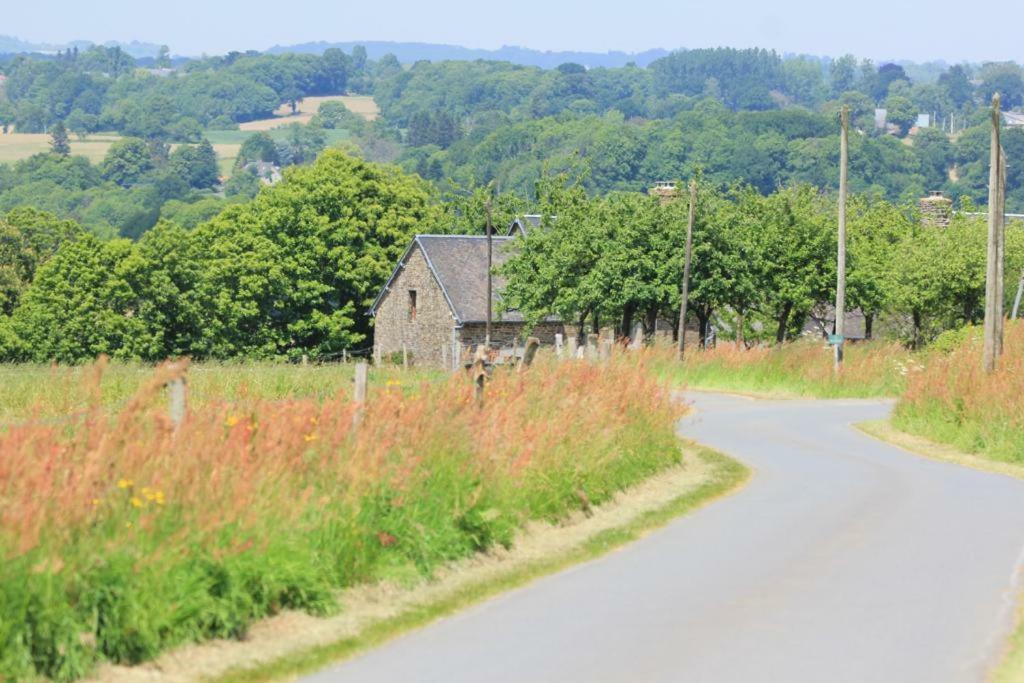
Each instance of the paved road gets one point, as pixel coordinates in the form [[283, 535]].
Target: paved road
[[842, 560]]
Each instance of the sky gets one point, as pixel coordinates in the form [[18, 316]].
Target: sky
[[878, 29]]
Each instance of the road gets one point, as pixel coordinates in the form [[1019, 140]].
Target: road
[[843, 559]]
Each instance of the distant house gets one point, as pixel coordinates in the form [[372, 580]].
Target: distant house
[[523, 224], [268, 172], [434, 305], [1013, 119]]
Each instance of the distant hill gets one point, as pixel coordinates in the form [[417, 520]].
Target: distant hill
[[413, 52], [12, 45]]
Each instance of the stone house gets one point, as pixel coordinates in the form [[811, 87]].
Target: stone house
[[434, 305]]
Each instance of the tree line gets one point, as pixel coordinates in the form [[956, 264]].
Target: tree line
[[762, 264]]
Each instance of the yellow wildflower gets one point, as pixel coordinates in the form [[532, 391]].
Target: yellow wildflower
[[310, 437], [136, 503], [159, 498], [95, 502], [231, 421], [124, 483]]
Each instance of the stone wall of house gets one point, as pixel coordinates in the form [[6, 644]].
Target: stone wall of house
[[504, 334], [427, 335]]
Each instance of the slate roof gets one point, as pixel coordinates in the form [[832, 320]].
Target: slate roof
[[1012, 118], [524, 223], [459, 264]]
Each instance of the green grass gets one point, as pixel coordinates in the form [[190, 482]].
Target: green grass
[[50, 391], [726, 476], [797, 369]]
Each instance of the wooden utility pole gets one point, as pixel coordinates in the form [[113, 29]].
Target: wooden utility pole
[[490, 258], [993, 295], [844, 155], [684, 303]]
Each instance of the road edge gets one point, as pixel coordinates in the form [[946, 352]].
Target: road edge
[[727, 477], [1009, 667]]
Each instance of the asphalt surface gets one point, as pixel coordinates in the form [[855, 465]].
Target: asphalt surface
[[843, 559]]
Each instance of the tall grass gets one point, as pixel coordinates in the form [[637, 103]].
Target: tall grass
[[120, 537], [802, 368], [955, 402], [52, 391]]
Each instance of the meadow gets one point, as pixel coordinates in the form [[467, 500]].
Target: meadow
[[18, 146], [121, 536], [364, 105], [953, 401]]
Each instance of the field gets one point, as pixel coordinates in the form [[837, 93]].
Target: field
[[121, 536], [227, 143], [357, 104], [799, 369], [18, 146]]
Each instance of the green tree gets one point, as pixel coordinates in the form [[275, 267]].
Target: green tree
[[126, 161], [901, 112], [59, 142], [28, 239]]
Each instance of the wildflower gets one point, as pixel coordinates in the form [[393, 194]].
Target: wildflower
[[136, 502], [95, 502], [231, 421], [124, 483], [394, 383], [313, 421], [158, 498], [310, 437], [386, 539]]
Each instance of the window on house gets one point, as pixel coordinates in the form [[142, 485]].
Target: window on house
[[412, 304]]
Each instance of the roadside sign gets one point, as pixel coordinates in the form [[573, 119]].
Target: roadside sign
[[836, 339]]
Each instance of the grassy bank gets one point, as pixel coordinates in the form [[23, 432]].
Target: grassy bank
[[953, 401], [120, 537], [800, 369]]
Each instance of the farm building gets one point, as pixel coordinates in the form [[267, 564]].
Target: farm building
[[434, 305]]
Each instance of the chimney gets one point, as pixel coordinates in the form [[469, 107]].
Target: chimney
[[664, 190], [936, 210]]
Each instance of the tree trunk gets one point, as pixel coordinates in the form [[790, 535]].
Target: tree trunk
[[627, 319], [740, 319], [651, 322], [915, 342], [597, 323], [869, 325], [703, 323], [780, 333]]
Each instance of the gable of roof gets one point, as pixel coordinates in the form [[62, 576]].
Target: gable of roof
[[459, 266], [522, 224]]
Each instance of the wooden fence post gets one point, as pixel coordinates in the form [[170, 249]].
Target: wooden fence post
[[532, 344], [361, 381], [478, 373]]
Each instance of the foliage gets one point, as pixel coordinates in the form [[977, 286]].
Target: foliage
[[158, 538]]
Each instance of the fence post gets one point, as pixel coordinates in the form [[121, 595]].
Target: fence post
[[478, 373], [558, 344], [305, 359], [532, 344], [177, 400], [573, 346], [344, 355], [592, 346], [361, 380], [638, 337]]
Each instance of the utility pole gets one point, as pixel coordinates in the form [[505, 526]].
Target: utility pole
[[490, 259], [993, 295], [686, 269], [839, 338]]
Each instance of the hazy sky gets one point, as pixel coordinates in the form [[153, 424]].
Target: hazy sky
[[881, 29]]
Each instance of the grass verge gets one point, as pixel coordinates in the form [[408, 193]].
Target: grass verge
[[726, 475], [1010, 668], [802, 369]]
